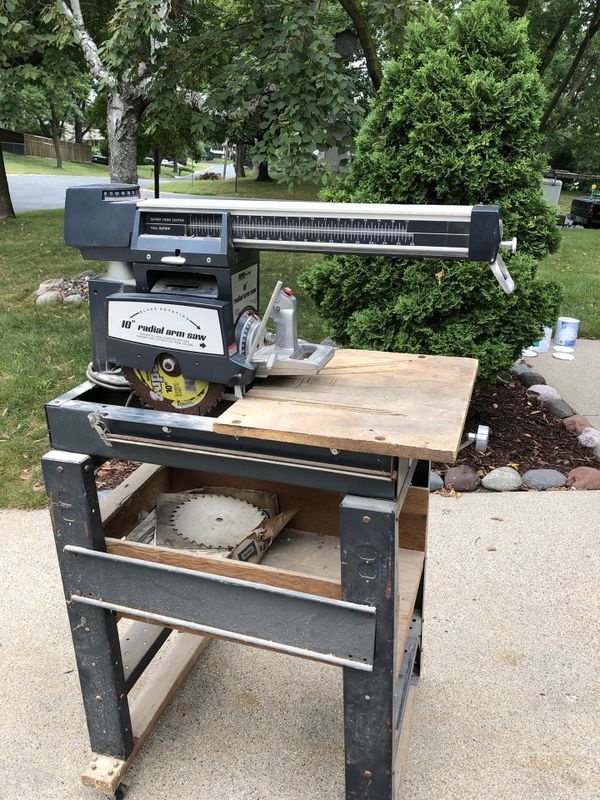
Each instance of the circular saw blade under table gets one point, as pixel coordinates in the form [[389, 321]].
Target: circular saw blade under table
[[212, 521]]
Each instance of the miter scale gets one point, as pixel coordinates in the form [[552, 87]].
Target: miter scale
[[176, 317]]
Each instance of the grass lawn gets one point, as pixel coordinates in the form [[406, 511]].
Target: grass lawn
[[246, 187], [564, 201], [33, 165], [45, 349], [576, 267]]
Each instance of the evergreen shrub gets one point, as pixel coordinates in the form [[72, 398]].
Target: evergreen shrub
[[456, 120]]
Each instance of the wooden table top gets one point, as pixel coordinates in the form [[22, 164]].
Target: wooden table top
[[396, 404]]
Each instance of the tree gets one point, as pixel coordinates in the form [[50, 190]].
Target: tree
[[456, 120], [264, 74], [124, 65], [286, 90], [592, 26], [574, 138], [44, 96], [563, 33], [21, 43]]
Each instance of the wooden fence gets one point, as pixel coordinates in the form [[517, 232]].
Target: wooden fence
[[44, 148], [12, 142]]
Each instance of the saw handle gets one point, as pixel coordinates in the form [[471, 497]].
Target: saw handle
[[502, 274], [263, 324]]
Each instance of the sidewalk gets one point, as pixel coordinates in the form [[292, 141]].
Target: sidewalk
[[507, 706], [578, 381]]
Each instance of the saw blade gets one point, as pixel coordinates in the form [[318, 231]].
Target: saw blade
[[171, 391], [210, 521]]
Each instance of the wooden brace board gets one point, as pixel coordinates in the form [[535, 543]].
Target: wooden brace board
[[394, 404]]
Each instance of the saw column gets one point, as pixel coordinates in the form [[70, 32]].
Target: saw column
[[73, 503]]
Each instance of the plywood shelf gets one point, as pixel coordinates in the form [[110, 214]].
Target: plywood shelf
[[320, 556]]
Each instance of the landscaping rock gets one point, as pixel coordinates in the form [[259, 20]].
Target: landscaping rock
[[531, 378], [543, 392], [47, 286], [503, 479], [462, 478], [65, 287], [435, 482], [73, 298], [49, 297], [576, 424], [584, 478], [519, 369], [558, 408], [543, 479], [589, 437]]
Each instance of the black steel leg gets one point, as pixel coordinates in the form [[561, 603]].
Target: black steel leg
[[73, 502], [368, 554]]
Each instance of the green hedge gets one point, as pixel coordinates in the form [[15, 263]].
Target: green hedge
[[455, 121]]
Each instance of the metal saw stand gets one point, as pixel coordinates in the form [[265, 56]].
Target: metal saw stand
[[368, 622]]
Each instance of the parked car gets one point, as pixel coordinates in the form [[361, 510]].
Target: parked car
[[585, 210], [166, 163], [100, 160]]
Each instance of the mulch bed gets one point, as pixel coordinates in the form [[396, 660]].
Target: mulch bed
[[114, 472], [522, 434]]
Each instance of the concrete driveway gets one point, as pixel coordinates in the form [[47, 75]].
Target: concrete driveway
[[36, 192], [507, 709]]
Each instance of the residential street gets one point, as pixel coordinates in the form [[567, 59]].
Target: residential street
[[36, 192]]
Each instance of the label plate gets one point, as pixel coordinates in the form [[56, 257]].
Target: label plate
[[168, 326], [244, 290]]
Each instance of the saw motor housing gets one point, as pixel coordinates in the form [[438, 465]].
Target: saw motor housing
[[188, 303]]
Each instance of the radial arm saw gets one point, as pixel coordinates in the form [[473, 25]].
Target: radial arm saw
[[176, 318]]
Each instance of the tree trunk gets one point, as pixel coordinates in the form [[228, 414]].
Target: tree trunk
[[239, 160], [357, 14], [54, 128], [78, 131], [122, 122], [79, 128], [225, 151], [571, 97], [550, 49], [263, 173], [574, 90], [6, 207]]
